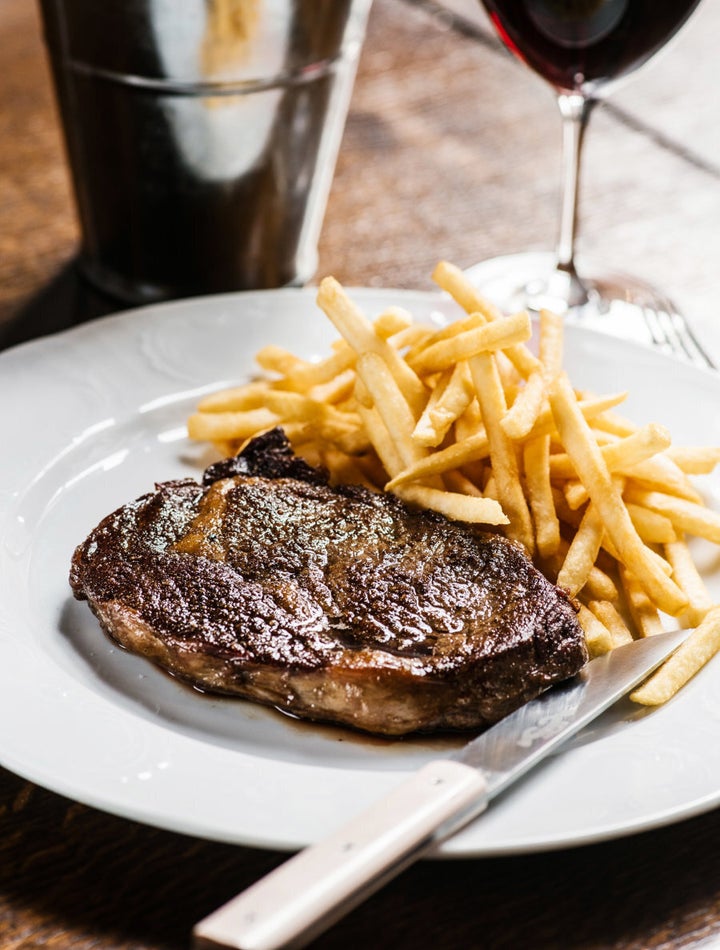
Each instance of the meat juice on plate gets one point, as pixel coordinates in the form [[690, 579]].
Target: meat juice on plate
[[584, 44]]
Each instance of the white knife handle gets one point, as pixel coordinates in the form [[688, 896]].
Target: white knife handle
[[318, 886]]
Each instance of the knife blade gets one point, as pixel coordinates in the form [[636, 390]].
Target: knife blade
[[312, 890]]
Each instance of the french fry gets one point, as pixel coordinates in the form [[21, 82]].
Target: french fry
[[618, 456], [305, 377], [458, 454], [550, 349], [687, 516], [694, 460], [451, 396], [381, 439], [545, 424], [661, 474], [391, 321], [334, 391], [447, 332], [614, 424], [275, 359], [582, 553], [219, 426], [522, 415], [455, 506], [652, 527], [455, 480], [452, 280], [492, 336], [540, 496], [391, 404], [597, 636], [688, 577], [465, 420], [575, 494], [504, 461], [354, 326], [644, 613], [701, 645], [610, 617], [236, 398], [587, 459]]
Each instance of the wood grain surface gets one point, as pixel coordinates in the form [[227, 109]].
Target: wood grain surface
[[451, 150]]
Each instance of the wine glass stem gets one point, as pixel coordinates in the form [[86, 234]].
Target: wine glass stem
[[574, 109]]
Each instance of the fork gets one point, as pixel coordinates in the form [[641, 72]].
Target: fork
[[671, 332]]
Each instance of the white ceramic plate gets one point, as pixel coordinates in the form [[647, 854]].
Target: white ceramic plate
[[91, 418]]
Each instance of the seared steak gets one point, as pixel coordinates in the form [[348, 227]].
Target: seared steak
[[334, 603]]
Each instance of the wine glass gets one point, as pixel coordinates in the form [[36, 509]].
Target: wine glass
[[580, 47]]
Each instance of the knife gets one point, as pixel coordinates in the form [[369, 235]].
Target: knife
[[308, 893]]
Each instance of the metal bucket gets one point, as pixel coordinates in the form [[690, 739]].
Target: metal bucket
[[202, 136]]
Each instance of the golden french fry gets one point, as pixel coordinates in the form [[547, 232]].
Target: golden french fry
[[660, 473], [354, 326], [297, 407], [540, 495], [220, 426], [451, 396], [391, 404], [599, 585], [236, 398], [410, 336], [688, 577], [381, 440], [638, 447], [458, 482], [303, 378], [644, 613], [522, 415], [685, 515], [694, 460], [492, 336], [471, 449], [582, 553], [391, 321], [447, 332], [587, 460], [545, 424], [550, 349], [614, 424], [504, 461], [453, 505], [610, 617], [275, 359], [335, 391], [575, 494], [700, 647], [652, 527], [597, 636], [470, 423], [452, 280]]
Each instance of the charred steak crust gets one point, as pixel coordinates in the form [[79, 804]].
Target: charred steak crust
[[334, 603]]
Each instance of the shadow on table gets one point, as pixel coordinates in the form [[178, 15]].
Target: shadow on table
[[66, 301]]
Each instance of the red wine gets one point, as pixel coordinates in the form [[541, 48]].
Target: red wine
[[582, 44]]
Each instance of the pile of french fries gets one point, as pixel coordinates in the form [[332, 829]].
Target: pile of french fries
[[466, 420]]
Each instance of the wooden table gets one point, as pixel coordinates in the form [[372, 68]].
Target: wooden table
[[451, 151]]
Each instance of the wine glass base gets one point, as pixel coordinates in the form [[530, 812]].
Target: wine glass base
[[616, 303]]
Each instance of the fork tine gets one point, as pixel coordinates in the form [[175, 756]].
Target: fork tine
[[671, 331]]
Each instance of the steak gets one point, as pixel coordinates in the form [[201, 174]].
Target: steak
[[333, 603]]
